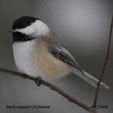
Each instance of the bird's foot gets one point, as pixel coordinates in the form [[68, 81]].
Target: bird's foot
[[38, 81]]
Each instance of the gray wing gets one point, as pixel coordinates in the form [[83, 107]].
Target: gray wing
[[64, 55]]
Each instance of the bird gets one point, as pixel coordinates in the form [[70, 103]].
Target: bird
[[39, 53]]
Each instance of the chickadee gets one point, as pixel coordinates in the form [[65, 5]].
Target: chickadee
[[38, 52]]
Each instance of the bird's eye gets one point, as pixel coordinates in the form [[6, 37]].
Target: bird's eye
[[23, 26]]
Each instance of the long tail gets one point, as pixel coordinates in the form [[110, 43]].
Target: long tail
[[90, 79]]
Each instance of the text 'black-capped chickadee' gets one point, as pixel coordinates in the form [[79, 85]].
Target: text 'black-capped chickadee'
[[38, 53]]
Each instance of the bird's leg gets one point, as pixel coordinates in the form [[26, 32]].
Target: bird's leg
[[38, 81]]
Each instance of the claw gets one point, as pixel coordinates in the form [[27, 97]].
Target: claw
[[38, 81]]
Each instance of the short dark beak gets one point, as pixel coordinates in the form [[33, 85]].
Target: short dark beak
[[11, 31]]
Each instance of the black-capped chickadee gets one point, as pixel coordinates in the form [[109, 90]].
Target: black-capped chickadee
[[38, 53]]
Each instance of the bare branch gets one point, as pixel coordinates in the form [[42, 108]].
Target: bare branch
[[105, 64], [53, 87]]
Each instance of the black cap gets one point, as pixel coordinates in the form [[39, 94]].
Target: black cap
[[23, 22]]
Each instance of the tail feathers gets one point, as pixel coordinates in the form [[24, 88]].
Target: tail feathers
[[90, 79]]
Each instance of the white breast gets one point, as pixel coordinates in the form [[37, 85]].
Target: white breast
[[22, 53]]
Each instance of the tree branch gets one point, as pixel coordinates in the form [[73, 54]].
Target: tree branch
[[105, 64], [53, 87]]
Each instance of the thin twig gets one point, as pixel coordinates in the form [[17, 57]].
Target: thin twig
[[105, 64], [51, 86]]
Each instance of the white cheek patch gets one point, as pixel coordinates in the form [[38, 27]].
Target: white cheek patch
[[37, 28], [28, 30]]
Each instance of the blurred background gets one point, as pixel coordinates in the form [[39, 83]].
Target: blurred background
[[83, 27]]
